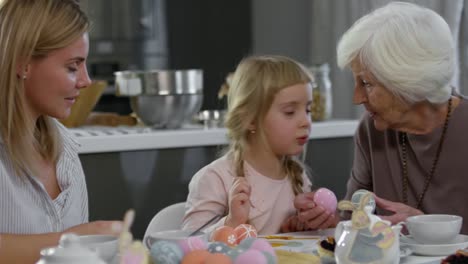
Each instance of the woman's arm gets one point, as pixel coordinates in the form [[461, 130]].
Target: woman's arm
[[25, 249]]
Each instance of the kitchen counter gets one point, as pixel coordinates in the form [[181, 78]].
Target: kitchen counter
[[115, 139]]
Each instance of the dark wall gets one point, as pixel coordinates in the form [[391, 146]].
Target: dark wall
[[209, 34]]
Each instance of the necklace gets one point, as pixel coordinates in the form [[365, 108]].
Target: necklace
[[404, 139]]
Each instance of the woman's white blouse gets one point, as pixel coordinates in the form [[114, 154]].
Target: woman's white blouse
[[25, 206]]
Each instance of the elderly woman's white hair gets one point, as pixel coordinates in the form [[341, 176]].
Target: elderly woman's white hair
[[408, 48]]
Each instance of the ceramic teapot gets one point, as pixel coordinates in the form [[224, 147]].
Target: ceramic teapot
[[366, 238], [69, 251]]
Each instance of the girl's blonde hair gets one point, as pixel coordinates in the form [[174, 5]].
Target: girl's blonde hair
[[31, 29], [254, 85]]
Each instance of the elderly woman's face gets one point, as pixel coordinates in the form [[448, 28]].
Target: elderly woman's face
[[384, 107]]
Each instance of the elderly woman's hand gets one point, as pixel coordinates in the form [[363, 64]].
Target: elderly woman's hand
[[401, 211], [313, 216]]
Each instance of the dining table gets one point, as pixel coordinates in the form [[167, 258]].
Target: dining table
[[307, 242]]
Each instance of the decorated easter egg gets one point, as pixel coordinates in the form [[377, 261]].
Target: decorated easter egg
[[218, 247], [251, 256], [263, 245], [326, 199], [225, 234], [164, 252], [195, 257], [192, 243], [357, 196], [247, 243], [244, 231], [235, 252], [218, 258]]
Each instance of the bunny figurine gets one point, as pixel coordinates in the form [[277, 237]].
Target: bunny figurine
[[366, 238]]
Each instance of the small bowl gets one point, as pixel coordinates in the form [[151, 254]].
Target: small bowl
[[169, 235], [105, 245]]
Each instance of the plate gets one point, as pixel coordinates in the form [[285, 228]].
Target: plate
[[405, 251], [435, 250]]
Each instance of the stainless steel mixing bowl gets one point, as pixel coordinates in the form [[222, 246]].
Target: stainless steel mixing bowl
[[162, 98]]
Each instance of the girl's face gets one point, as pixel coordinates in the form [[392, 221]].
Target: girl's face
[[287, 123], [53, 83], [384, 107]]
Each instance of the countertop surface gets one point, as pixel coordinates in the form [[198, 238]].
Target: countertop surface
[[99, 139]]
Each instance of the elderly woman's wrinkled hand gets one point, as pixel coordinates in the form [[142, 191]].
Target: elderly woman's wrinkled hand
[[401, 211], [313, 216]]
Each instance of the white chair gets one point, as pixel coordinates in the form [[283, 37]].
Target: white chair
[[169, 218]]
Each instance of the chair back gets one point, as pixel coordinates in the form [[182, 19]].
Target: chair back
[[169, 218]]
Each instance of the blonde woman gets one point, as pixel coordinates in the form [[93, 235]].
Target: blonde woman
[[268, 123], [44, 45]]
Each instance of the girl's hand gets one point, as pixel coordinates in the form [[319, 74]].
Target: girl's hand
[[401, 211], [292, 224], [313, 216], [97, 227], [239, 203]]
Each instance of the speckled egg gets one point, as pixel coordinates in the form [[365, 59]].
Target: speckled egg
[[251, 256], [218, 258], [244, 231], [164, 252], [218, 247], [225, 234], [235, 252], [326, 199], [192, 243], [263, 245], [196, 257]]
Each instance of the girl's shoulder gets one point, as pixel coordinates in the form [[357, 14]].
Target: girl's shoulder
[[221, 168]]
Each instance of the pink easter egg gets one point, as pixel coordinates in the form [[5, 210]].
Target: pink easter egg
[[263, 245], [326, 199], [251, 256], [192, 243]]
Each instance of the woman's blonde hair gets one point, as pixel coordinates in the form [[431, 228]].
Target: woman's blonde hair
[[31, 29], [254, 85]]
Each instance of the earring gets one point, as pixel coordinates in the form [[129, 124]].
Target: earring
[[24, 77], [252, 131]]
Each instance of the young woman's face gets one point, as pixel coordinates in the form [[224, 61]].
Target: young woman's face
[[384, 107], [53, 83], [287, 123]]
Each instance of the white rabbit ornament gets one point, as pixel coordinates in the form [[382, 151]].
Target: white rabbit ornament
[[366, 238]]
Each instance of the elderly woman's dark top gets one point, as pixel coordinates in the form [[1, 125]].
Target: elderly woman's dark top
[[378, 165]]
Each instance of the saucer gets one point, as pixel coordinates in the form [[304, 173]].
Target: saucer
[[434, 250]]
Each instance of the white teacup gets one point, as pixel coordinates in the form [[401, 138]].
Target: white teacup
[[106, 246], [434, 228], [169, 235]]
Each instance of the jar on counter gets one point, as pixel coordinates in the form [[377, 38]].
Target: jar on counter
[[321, 108]]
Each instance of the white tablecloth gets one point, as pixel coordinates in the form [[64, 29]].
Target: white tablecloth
[[412, 259]]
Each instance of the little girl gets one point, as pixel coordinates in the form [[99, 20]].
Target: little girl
[[268, 123]]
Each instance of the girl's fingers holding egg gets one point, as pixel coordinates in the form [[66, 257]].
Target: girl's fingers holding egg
[[319, 220], [309, 214]]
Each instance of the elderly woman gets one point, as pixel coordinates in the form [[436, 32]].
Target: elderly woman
[[411, 145]]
